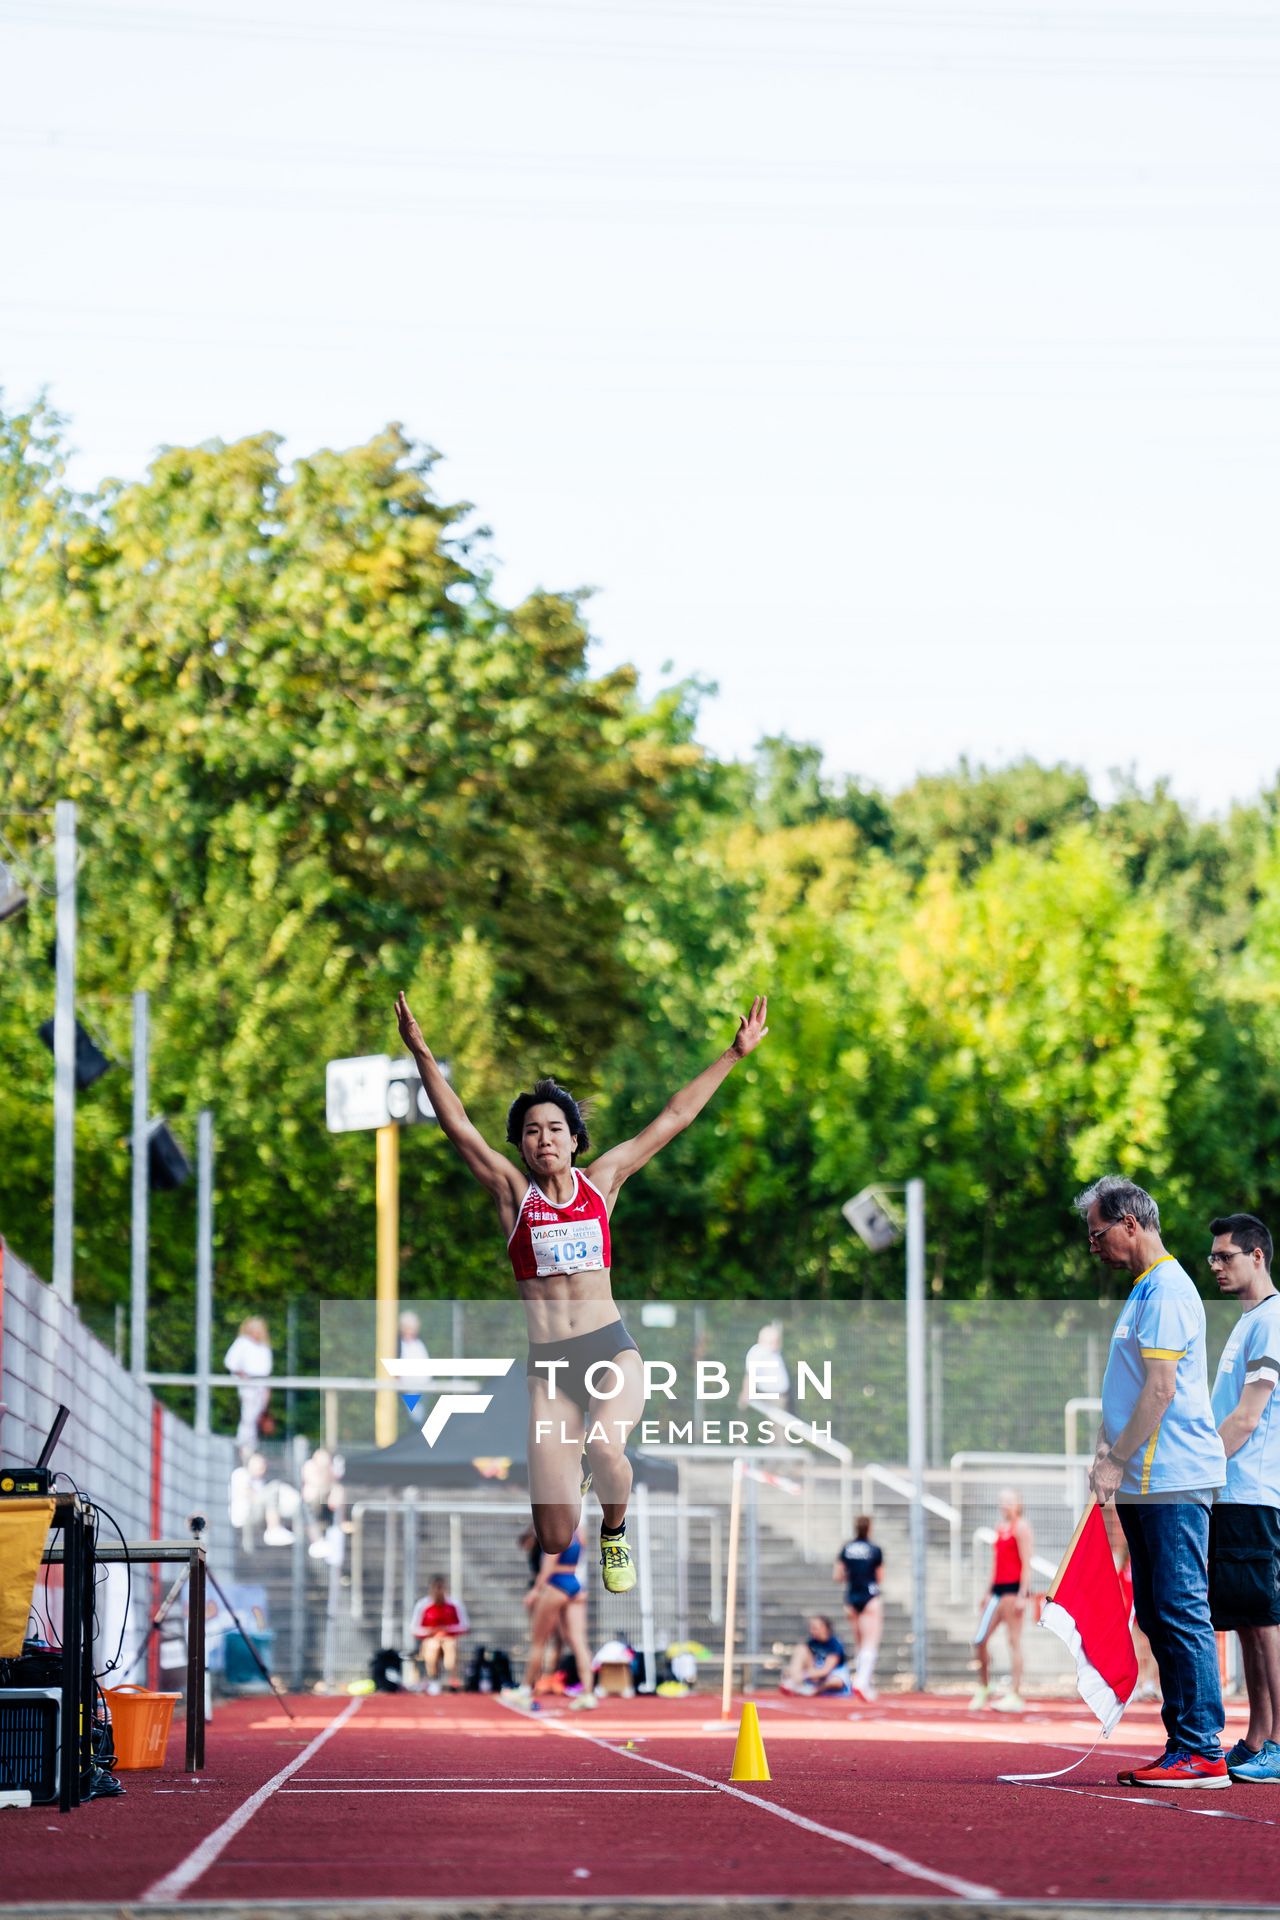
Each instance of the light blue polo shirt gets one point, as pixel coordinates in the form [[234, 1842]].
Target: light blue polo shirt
[[1163, 1319], [1252, 1353]]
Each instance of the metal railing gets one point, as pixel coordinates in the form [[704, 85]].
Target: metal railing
[[834, 1450], [400, 1536], [873, 1474]]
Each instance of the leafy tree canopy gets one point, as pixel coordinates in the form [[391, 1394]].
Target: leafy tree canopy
[[316, 758]]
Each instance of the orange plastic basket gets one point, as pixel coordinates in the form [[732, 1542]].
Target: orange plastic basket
[[140, 1722]]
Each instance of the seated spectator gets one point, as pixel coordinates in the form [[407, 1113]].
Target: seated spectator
[[818, 1663], [317, 1490], [438, 1625], [259, 1505]]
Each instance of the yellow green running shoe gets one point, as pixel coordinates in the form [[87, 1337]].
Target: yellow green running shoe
[[615, 1563]]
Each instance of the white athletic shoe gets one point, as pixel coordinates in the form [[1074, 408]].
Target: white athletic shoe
[[980, 1698], [584, 1700], [1010, 1702], [433, 1686], [517, 1696], [277, 1537]]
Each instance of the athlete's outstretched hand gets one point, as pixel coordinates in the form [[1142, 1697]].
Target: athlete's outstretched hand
[[751, 1027], [410, 1031]]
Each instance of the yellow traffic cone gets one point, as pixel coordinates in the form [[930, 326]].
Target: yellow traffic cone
[[749, 1762]]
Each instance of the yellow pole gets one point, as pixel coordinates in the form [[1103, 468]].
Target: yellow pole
[[731, 1589], [387, 1189]]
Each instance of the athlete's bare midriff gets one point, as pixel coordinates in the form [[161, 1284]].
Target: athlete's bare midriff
[[565, 1305]]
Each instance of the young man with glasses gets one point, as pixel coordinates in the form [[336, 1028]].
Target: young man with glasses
[[1244, 1535], [1159, 1457]]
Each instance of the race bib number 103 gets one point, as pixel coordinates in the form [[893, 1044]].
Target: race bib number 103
[[568, 1247]]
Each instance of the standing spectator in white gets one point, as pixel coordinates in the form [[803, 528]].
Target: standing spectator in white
[[249, 1358], [767, 1375], [411, 1346]]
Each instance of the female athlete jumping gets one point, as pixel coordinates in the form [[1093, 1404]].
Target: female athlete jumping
[[586, 1383]]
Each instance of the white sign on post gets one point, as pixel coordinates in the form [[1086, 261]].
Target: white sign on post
[[375, 1091], [356, 1093], [872, 1218]]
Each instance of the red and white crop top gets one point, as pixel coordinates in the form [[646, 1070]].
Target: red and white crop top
[[548, 1239]]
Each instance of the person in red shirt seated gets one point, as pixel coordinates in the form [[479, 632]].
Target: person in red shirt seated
[[438, 1624]]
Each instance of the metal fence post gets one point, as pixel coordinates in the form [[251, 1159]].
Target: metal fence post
[[753, 1578], [298, 1580], [644, 1541], [916, 1429]]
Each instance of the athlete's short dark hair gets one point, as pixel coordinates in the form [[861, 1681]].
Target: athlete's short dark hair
[[1247, 1231], [825, 1621], [547, 1093], [862, 1526]]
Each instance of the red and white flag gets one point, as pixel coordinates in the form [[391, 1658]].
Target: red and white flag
[[1087, 1609]]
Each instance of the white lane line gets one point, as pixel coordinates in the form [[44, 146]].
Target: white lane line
[[570, 1786], [900, 1862], [172, 1885], [991, 1735]]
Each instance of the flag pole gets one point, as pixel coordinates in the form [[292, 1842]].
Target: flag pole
[[731, 1588], [1081, 1523]]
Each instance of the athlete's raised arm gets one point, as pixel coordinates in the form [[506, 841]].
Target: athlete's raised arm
[[491, 1168], [620, 1162]]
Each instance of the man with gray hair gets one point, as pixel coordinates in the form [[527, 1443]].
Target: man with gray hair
[[1160, 1458]]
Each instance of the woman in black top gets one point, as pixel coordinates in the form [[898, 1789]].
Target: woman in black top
[[859, 1565]]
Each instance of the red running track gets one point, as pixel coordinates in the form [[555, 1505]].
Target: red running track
[[408, 1797]]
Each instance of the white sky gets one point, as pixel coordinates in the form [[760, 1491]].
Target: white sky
[[909, 367]]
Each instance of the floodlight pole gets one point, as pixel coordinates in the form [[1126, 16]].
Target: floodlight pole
[[916, 1429], [141, 1189], [64, 1052], [204, 1264]]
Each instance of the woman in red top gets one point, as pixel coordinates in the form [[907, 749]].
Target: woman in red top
[[437, 1626], [586, 1381], [1006, 1602]]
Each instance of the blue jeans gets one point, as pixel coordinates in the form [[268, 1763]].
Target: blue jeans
[[1169, 1558]]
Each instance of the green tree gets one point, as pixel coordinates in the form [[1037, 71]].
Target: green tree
[[315, 760]]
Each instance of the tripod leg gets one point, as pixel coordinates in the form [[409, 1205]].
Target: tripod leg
[[158, 1619], [253, 1651]]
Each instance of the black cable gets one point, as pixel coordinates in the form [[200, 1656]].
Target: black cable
[[100, 1512], [128, 1600]]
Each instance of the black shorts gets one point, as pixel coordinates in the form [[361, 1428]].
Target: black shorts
[[583, 1352], [857, 1600], [1000, 1588], [1244, 1566]]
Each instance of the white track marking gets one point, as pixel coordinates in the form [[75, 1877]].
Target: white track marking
[[175, 1883], [899, 1862], [966, 1730], [572, 1786]]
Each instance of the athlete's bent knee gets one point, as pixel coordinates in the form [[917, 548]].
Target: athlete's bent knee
[[555, 1531]]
